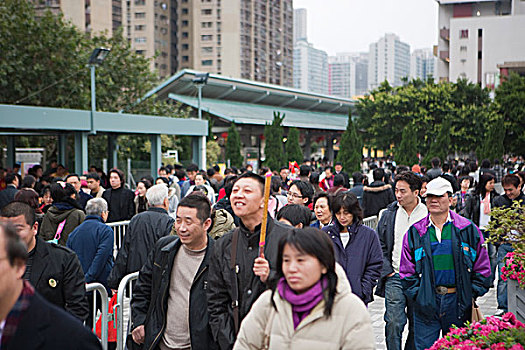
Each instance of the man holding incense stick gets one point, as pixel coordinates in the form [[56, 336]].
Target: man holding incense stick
[[237, 273]]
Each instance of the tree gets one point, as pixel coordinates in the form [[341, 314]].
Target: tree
[[492, 147], [273, 150], [213, 151], [406, 152], [351, 148], [233, 147], [293, 149], [440, 147], [510, 99]]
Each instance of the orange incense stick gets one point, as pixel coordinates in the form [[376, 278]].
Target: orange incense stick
[[262, 240]]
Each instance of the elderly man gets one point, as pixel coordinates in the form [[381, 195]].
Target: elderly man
[[92, 240], [143, 232], [179, 320], [232, 291], [27, 320], [53, 270], [444, 266]]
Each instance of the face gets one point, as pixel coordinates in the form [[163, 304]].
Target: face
[[489, 186], [39, 172], [159, 181], [465, 184], [93, 184], [247, 197], [199, 180], [47, 198], [328, 173], [191, 231], [344, 217], [295, 196], [404, 195], [300, 270], [114, 180], [423, 189], [141, 189], [162, 172], [511, 191], [322, 210], [338, 168], [25, 231], [438, 205], [284, 174], [75, 182], [9, 275], [191, 175]]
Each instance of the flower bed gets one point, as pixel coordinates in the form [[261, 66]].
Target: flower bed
[[514, 268], [497, 333]]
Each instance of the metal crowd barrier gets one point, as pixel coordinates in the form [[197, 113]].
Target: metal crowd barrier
[[97, 287], [371, 222], [118, 309], [119, 230]]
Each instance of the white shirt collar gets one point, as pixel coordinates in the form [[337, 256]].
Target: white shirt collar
[[431, 223]]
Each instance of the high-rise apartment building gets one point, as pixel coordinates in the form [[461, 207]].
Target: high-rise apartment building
[[92, 16], [388, 59], [347, 74], [480, 40], [310, 68], [422, 64], [299, 25]]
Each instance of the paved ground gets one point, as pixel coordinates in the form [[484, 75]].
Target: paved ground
[[487, 304]]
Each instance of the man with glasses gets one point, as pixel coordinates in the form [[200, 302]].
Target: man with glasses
[[443, 266]]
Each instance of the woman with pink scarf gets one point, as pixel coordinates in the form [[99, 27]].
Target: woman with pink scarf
[[309, 304]]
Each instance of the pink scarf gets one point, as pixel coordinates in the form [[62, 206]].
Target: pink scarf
[[486, 204], [302, 304]]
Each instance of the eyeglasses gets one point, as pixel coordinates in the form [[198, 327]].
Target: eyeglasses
[[294, 195]]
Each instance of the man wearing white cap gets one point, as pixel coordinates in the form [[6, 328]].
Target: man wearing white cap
[[443, 266]]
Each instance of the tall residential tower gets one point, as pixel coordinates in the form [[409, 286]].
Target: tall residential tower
[[388, 59]]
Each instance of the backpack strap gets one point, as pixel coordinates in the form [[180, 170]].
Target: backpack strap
[[234, 271]]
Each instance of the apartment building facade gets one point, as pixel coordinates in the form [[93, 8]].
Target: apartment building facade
[[388, 59]]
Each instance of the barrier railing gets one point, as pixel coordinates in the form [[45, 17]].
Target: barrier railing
[[118, 309], [371, 222], [119, 231], [100, 289]]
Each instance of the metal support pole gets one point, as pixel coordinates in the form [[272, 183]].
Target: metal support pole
[[62, 146], [81, 152], [93, 100], [11, 152], [156, 155], [112, 151], [199, 88]]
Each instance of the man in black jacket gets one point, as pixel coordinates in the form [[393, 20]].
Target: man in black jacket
[[232, 292], [120, 200], [28, 320], [144, 231], [7, 195], [169, 300], [53, 270], [378, 195]]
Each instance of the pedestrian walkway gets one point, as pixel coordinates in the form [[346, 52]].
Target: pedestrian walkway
[[488, 305]]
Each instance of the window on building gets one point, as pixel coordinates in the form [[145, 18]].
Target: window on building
[[185, 35], [185, 11], [207, 50], [140, 40], [140, 15], [463, 49], [207, 62], [206, 37], [140, 27], [139, 52], [185, 23], [206, 24], [185, 58], [206, 12], [463, 34], [185, 47], [140, 2]]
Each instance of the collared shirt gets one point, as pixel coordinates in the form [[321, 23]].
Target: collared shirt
[[438, 230], [401, 226], [12, 320]]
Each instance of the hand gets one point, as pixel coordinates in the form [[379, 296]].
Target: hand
[[261, 268], [390, 275], [114, 291], [138, 334]]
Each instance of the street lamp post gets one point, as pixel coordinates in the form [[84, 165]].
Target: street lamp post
[[200, 80], [97, 57]]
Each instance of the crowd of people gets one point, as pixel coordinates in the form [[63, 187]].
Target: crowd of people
[[194, 235]]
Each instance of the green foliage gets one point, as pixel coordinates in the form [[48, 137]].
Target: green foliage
[[508, 225], [213, 151], [351, 148], [273, 150], [233, 147], [492, 146], [440, 147], [293, 149], [406, 153], [510, 99]]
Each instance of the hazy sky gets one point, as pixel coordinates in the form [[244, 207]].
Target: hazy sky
[[351, 25]]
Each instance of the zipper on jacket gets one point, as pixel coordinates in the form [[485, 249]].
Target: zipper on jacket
[[163, 322]]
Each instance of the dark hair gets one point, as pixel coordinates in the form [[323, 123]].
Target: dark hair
[[472, 166], [521, 174], [283, 168], [166, 181], [14, 245], [314, 178], [435, 162], [469, 178], [323, 195], [229, 180], [18, 208], [148, 178], [28, 181], [424, 179], [304, 170], [72, 175], [276, 184], [146, 183], [445, 167], [10, 178], [119, 173], [314, 242], [250, 175], [192, 167], [93, 176], [28, 196], [485, 163], [305, 188], [338, 163], [198, 201], [329, 168], [339, 180], [413, 180], [162, 168], [296, 214], [210, 172], [483, 180], [357, 177], [200, 188], [47, 188], [348, 200], [511, 179], [62, 194], [378, 174]]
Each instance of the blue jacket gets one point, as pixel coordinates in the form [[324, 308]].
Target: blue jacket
[[362, 259], [92, 240], [471, 263]]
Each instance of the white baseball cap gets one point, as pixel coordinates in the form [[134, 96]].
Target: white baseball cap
[[438, 187]]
